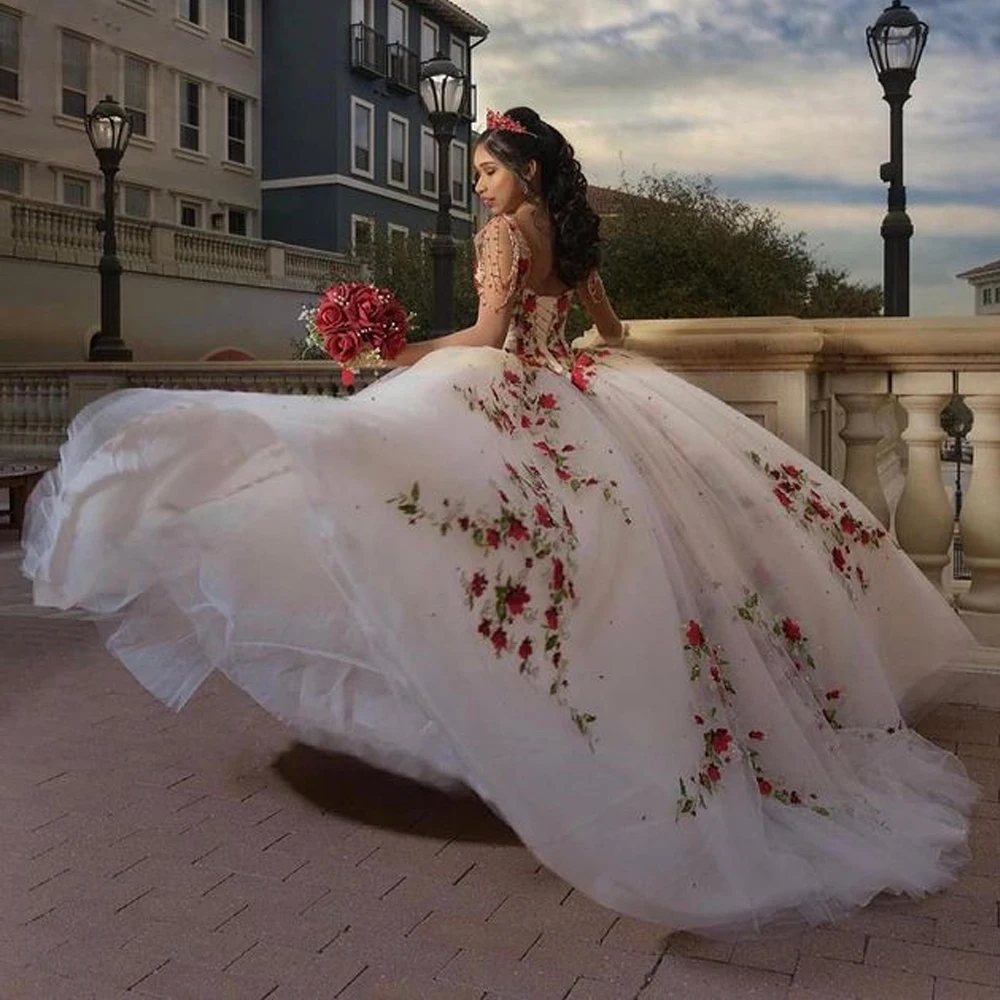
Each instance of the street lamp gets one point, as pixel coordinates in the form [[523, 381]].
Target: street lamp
[[895, 43], [442, 92], [109, 128]]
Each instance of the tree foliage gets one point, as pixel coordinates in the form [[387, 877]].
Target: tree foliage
[[677, 247]]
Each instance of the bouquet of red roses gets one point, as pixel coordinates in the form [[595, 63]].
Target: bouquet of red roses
[[358, 325]]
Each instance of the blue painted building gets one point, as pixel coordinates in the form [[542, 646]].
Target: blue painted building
[[347, 150]]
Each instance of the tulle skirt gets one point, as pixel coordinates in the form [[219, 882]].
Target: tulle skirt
[[672, 653]]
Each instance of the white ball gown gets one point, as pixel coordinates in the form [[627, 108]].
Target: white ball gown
[[667, 649]]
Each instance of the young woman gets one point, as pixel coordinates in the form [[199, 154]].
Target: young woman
[[671, 652]]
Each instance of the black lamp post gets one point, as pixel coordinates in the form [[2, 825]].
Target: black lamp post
[[109, 128], [442, 91], [896, 42]]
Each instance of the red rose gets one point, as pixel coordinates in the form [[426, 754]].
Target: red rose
[[493, 538], [833, 695], [343, 345], [783, 497], [543, 517], [558, 574], [517, 530], [485, 627], [713, 773], [530, 303], [720, 740], [331, 316], [564, 474], [517, 599], [764, 786], [866, 536], [847, 524], [548, 402], [838, 559], [552, 619], [791, 629], [525, 422], [499, 640], [695, 636], [478, 585], [511, 377], [755, 734], [525, 650], [368, 304]]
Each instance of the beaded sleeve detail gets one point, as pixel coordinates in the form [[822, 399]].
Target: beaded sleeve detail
[[502, 261]]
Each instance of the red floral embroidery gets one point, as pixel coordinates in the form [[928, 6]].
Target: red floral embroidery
[[841, 528], [709, 669]]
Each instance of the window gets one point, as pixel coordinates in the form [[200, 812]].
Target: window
[[460, 54], [75, 75], [76, 192], [191, 11], [362, 233], [10, 56], [236, 21], [137, 94], [398, 235], [190, 212], [428, 163], [459, 172], [399, 143], [190, 115], [11, 175], [238, 222], [428, 40], [362, 134], [399, 24], [137, 201], [363, 12], [987, 296], [236, 129]]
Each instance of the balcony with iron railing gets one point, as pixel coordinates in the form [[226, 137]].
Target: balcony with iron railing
[[368, 50], [404, 68]]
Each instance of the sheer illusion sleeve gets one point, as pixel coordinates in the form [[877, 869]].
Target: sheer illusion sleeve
[[502, 263]]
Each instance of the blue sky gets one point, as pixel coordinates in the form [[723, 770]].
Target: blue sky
[[777, 102]]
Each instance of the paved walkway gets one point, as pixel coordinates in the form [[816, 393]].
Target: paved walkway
[[206, 856]]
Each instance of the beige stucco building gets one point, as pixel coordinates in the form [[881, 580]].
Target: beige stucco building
[[188, 70], [985, 281]]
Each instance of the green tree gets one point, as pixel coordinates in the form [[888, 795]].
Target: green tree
[[678, 247]]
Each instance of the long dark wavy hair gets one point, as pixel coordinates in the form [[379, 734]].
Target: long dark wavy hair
[[576, 225]]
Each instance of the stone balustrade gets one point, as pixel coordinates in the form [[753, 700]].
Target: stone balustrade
[[35, 230]]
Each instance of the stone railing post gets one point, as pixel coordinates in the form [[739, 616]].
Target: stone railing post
[[980, 520], [924, 518], [275, 262], [161, 246]]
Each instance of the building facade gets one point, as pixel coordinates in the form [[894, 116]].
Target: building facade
[[252, 119], [985, 282], [188, 70], [349, 154]]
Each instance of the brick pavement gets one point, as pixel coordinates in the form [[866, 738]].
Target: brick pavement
[[206, 856]]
